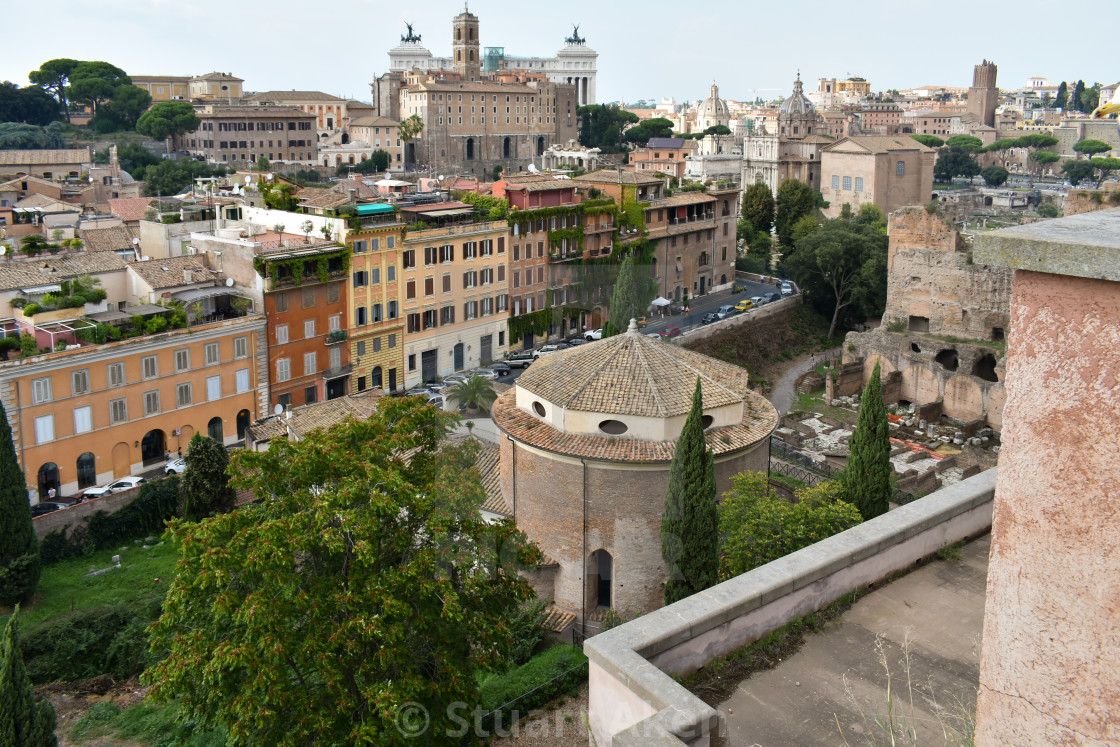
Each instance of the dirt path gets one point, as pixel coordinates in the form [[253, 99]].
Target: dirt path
[[782, 395]]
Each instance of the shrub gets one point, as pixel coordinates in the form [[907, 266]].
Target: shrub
[[110, 640], [542, 678], [933, 206]]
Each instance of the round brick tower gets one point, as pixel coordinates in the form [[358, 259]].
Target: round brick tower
[[587, 438]]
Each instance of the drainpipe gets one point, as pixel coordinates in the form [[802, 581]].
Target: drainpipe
[[583, 560], [22, 436]]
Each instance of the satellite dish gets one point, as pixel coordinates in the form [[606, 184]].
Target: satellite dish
[[136, 242], [3, 250], [248, 179], [229, 282], [278, 409], [268, 177]]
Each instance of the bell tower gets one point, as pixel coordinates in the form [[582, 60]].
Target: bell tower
[[464, 46], [983, 96]]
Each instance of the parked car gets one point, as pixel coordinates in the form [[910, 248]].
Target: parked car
[[772, 297], [642, 321], [786, 288], [745, 305], [653, 335], [671, 331], [545, 350], [419, 391], [502, 369], [176, 466], [595, 334], [758, 300], [710, 317], [577, 341], [124, 483], [725, 311], [486, 373], [48, 507], [520, 360]]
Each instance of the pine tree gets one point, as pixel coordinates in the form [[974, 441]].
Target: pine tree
[[1075, 99], [867, 478], [205, 488], [23, 722], [19, 546], [625, 304], [758, 207], [1062, 99], [690, 523]]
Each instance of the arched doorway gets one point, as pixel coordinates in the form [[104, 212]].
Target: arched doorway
[[723, 279], [345, 139], [242, 424], [87, 470], [153, 447], [376, 376], [214, 430], [540, 146], [48, 478], [601, 571], [122, 460], [470, 149]]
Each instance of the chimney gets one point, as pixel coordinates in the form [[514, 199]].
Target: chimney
[[188, 276]]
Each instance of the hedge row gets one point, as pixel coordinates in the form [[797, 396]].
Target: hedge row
[[533, 684]]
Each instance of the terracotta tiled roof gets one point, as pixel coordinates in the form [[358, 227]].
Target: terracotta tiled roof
[[280, 96], [168, 273], [557, 620], [217, 76], [54, 157], [106, 239], [307, 418], [759, 420], [130, 209], [366, 121], [685, 198], [881, 143], [631, 374], [319, 197], [361, 189], [487, 464], [17, 183], [52, 270], [47, 204], [613, 176]]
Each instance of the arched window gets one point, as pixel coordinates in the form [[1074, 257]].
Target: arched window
[[87, 470], [602, 571], [48, 478], [900, 168], [376, 377], [214, 430]]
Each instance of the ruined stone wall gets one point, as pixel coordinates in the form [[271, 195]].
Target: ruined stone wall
[[933, 287], [1087, 200]]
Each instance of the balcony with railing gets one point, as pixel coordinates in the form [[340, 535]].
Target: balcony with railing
[[336, 337]]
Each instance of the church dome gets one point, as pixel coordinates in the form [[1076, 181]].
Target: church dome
[[713, 107], [797, 105], [633, 389]]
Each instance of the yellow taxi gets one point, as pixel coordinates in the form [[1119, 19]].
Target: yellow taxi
[[745, 304]]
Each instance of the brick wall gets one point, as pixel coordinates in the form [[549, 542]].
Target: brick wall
[[80, 513]]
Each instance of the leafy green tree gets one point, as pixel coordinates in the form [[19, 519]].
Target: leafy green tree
[[805, 226], [410, 128], [94, 83], [15, 136], [757, 526], [123, 109], [869, 214], [29, 105], [867, 478], [690, 522], [53, 76], [19, 546], [1104, 168], [204, 488], [1090, 98], [744, 232], [930, 141], [23, 722], [350, 590], [758, 207], [795, 200], [967, 143], [955, 161], [641, 133], [1075, 100], [377, 162], [1041, 158], [601, 125], [134, 158], [1048, 210], [477, 393], [1090, 147], [167, 119], [1078, 171], [628, 297], [762, 250], [995, 175], [1062, 99], [843, 265]]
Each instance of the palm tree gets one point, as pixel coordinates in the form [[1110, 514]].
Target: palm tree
[[477, 393]]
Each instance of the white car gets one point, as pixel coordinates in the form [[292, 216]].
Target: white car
[[595, 334], [486, 373], [117, 486], [545, 350], [176, 466], [787, 289]]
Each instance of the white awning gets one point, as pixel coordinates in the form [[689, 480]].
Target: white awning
[[659, 301], [41, 289]]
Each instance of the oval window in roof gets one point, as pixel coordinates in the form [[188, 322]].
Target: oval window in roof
[[706, 422], [613, 427], [538, 408]]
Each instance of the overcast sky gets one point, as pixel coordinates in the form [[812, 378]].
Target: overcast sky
[[646, 49]]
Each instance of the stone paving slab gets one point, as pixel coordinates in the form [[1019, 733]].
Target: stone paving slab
[[940, 607]]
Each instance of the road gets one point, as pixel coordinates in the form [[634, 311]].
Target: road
[[700, 306]]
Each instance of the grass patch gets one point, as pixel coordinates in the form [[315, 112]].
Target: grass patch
[[719, 678], [790, 482], [1000, 345], [951, 553], [764, 346], [153, 725], [814, 403], [64, 587]]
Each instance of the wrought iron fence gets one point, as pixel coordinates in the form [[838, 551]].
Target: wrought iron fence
[[798, 464]]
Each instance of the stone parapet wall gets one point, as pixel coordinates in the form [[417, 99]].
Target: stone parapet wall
[[80, 514], [740, 320], [634, 700]]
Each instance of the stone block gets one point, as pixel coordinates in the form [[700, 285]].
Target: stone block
[[947, 463], [970, 471]]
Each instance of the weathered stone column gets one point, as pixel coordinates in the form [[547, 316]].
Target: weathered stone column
[[1050, 664]]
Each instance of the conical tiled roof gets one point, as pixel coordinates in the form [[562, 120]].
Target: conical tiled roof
[[631, 374]]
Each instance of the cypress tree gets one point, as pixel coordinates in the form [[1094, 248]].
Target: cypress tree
[[23, 722], [205, 489], [690, 523], [867, 478], [625, 304], [19, 546]]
